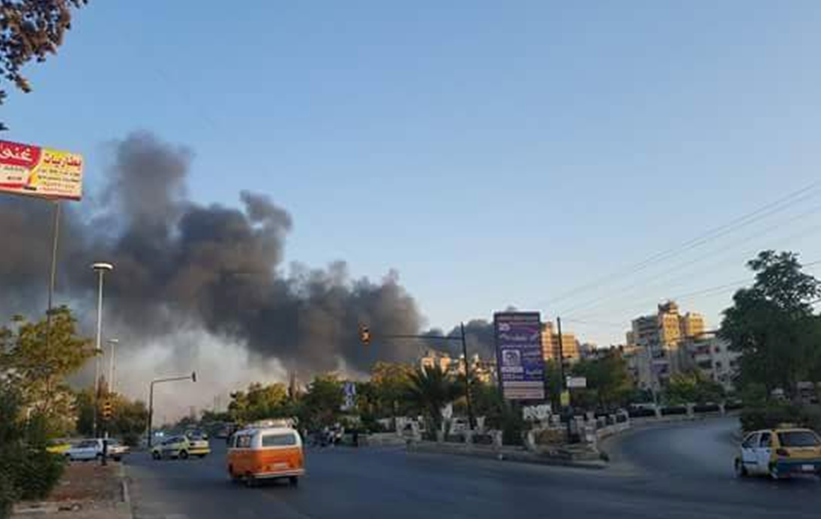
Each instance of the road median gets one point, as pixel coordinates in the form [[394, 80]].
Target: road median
[[559, 457]]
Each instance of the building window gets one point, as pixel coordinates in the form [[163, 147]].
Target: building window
[[718, 365]]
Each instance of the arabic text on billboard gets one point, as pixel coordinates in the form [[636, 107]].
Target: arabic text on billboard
[[41, 172], [519, 355]]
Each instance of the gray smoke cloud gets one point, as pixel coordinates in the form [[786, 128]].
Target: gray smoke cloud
[[179, 262]]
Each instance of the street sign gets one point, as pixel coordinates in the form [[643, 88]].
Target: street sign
[[40, 172], [349, 390], [576, 382], [519, 354]]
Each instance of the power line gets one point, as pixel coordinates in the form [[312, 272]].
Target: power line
[[710, 235], [713, 290], [593, 303]]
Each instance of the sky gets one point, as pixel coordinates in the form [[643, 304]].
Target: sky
[[493, 154]]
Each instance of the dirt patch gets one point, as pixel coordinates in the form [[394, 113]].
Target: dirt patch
[[88, 481]]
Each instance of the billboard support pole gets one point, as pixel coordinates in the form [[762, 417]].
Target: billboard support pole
[[55, 237], [471, 422]]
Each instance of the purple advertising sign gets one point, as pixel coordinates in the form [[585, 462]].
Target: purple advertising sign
[[519, 354]]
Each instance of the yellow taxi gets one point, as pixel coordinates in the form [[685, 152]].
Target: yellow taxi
[[268, 450], [182, 446], [779, 453], [58, 446]]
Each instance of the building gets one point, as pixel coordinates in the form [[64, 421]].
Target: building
[[550, 344], [713, 357], [657, 344], [482, 370]]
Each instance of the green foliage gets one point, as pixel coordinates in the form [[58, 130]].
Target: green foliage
[[609, 384], [259, 402], [431, 390], [129, 418], [769, 415], [773, 326], [31, 30], [390, 385], [27, 470], [38, 367], [320, 406], [693, 387]]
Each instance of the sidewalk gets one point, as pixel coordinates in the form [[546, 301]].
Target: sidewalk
[[86, 491]]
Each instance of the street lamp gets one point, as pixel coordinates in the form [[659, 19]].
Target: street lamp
[[100, 268], [192, 376], [113, 343]]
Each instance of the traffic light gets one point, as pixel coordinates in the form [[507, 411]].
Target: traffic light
[[108, 409], [364, 334]]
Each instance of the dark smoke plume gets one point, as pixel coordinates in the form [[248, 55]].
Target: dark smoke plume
[[179, 262]]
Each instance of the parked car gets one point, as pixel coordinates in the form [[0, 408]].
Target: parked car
[[779, 453], [58, 446], [93, 449], [181, 447]]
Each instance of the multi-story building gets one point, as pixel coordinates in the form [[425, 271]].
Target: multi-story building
[[550, 344], [481, 370], [713, 357], [656, 343]]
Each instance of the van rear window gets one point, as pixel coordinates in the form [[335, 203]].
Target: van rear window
[[278, 440]]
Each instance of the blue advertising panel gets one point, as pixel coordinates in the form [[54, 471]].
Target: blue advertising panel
[[519, 354]]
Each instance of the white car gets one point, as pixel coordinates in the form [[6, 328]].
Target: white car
[[93, 449]]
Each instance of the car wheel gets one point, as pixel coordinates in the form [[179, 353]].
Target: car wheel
[[116, 458], [183, 455], [740, 469], [156, 455], [250, 482], [294, 481], [200, 455]]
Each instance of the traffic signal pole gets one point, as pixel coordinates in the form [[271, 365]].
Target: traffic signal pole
[[365, 336]]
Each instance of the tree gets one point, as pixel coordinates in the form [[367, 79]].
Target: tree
[[772, 323], [693, 387], [27, 470], [259, 402], [431, 389], [608, 380], [390, 383], [321, 405], [129, 418], [39, 367], [31, 29]]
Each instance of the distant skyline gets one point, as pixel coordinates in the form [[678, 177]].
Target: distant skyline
[[492, 154]]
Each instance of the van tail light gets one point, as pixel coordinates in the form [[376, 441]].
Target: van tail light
[[782, 452]]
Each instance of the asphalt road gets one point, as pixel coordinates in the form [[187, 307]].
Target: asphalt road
[[679, 471]]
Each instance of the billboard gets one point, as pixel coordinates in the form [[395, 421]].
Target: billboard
[[519, 354], [41, 172]]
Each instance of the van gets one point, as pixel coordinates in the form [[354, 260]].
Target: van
[[260, 452]]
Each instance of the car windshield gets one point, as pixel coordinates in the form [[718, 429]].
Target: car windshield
[[798, 439], [87, 443]]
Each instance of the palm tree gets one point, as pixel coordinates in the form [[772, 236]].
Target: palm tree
[[431, 389]]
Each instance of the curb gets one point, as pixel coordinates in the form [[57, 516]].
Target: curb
[[510, 456], [125, 505]]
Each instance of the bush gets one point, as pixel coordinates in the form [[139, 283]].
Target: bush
[[677, 410], [769, 415]]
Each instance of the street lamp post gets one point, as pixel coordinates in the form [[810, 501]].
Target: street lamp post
[[113, 343], [100, 268], [192, 376]]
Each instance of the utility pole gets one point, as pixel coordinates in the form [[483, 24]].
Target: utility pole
[[100, 268], [471, 422], [55, 237], [192, 377], [563, 377]]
